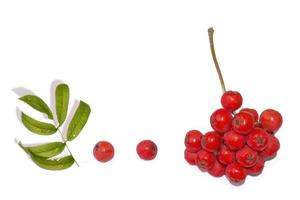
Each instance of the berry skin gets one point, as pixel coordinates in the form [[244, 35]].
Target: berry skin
[[258, 139], [211, 141], [103, 151], [251, 111], [190, 157], [246, 157], [243, 123], [234, 141], [231, 100], [225, 156], [193, 140], [271, 120], [272, 147], [217, 170], [235, 173], [146, 150], [257, 168], [221, 120], [205, 160]]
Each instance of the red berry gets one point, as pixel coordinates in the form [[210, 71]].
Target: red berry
[[234, 141], [272, 147], [271, 120], [243, 123], [225, 156], [221, 120], [205, 160], [193, 140], [251, 111], [231, 100], [211, 141], [190, 157], [258, 139], [257, 168], [235, 173], [103, 151], [217, 170], [246, 157], [146, 150]]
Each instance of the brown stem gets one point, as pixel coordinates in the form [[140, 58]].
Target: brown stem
[[213, 53]]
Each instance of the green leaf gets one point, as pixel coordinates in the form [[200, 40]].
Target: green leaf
[[38, 127], [46, 150], [78, 121], [49, 164], [53, 164], [38, 104], [62, 102]]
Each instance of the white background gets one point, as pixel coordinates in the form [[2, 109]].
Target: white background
[[146, 70]]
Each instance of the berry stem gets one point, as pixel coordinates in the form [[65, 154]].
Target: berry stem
[[63, 139], [213, 53]]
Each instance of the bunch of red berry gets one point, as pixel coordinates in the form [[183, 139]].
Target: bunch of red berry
[[240, 143]]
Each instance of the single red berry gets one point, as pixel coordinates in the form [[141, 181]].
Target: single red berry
[[103, 151], [272, 147], [225, 156], [205, 160], [221, 120], [231, 100], [258, 139], [271, 120], [190, 157], [217, 170], [243, 123], [235, 173], [234, 141], [251, 111], [211, 141], [146, 150], [193, 140], [246, 157], [257, 168]]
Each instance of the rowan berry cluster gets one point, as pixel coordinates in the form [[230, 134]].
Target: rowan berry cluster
[[240, 142]]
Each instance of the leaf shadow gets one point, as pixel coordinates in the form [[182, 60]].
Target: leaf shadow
[[21, 91], [30, 144], [19, 114]]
